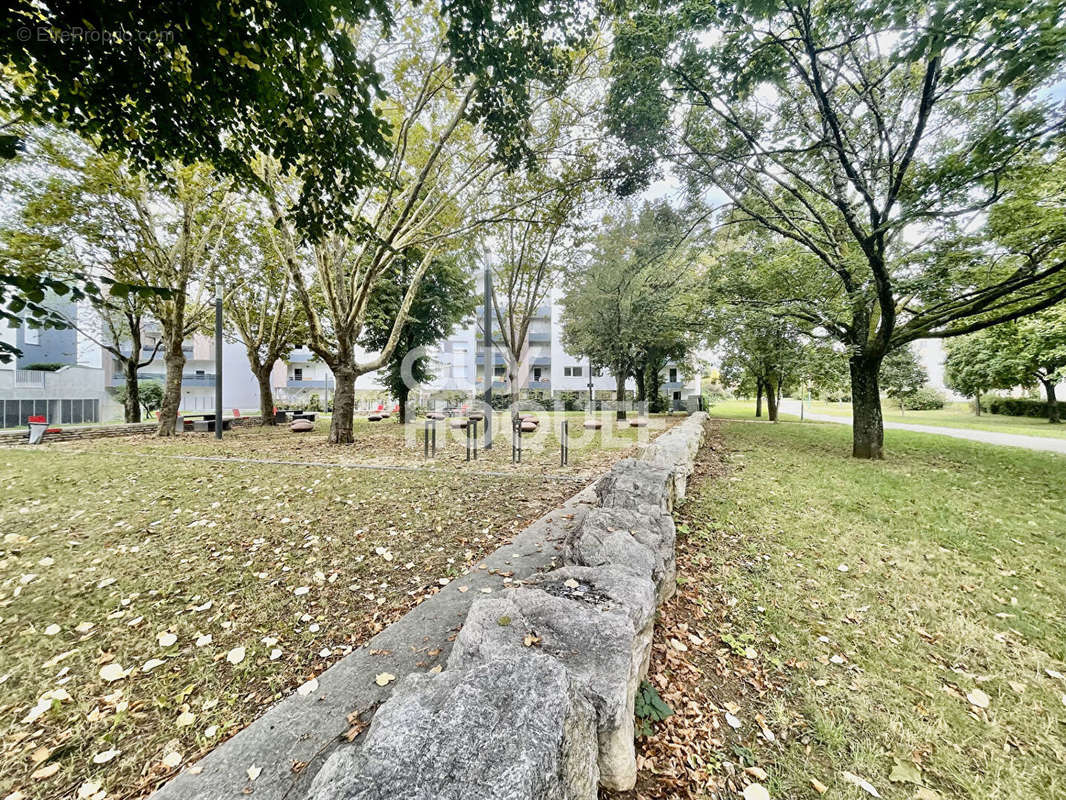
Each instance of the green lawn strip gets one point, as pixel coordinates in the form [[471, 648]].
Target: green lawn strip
[[744, 409], [889, 592], [954, 415], [296, 565]]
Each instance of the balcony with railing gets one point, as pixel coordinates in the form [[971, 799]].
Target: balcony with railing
[[302, 383], [189, 380], [30, 377]]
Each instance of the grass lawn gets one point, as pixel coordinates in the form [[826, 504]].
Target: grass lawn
[[953, 415], [743, 408], [151, 607], [901, 623], [387, 443]]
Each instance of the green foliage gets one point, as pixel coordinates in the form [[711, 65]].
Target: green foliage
[[924, 398], [635, 305], [445, 298], [649, 708], [902, 375], [200, 81], [149, 393], [45, 366], [837, 130], [1018, 406]]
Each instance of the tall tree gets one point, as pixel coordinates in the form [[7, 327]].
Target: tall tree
[[631, 303], [902, 375], [260, 305], [162, 80], [974, 365], [763, 348], [445, 298], [867, 134], [71, 223], [1029, 352]]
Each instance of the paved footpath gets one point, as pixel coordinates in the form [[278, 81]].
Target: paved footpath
[[1049, 444]]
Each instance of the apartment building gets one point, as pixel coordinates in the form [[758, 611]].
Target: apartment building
[[52, 378], [550, 370], [239, 387]]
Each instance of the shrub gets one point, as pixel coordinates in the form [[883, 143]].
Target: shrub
[[572, 401], [45, 367], [1018, 406], [924, 399]]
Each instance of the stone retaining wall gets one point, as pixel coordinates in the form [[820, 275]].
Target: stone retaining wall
[[537, 697], [78, 432]]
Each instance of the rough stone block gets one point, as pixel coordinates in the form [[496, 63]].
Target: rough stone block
[[632, 483], [515, 729], [592, 637], [639, 539], [628, 591]]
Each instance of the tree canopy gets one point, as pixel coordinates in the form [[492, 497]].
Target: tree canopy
[[872, 137]]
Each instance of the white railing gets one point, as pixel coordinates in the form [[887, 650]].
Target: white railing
[[29, 377]]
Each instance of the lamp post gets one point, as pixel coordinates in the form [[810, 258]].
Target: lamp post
[[489, 364], [590, 385], [218, 361]]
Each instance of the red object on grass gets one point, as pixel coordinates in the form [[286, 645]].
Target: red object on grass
[[236, 412], [52, 430], [35, 419]]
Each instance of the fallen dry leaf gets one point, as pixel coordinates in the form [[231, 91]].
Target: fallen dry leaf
[[105, 755], [384, 679], [756, 791], [112, 672], [978, 698], [862, 783]]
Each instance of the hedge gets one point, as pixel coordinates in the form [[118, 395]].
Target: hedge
[[1018, 407]]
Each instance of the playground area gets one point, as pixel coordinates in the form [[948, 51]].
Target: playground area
[[387, 443]]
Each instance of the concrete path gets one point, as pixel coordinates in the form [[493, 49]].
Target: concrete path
[[1048, 444]]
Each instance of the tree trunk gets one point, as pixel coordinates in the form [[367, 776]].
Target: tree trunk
[[640, 376], [867, 430], [168, 413], [620, 393], [132, 406], [405, 394], [772, 400], [758, 397], [340, 428], [1053, 415], [977, 404], [654, 382], [266, 396]]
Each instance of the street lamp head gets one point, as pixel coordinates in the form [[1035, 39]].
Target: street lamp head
[[218, 290]]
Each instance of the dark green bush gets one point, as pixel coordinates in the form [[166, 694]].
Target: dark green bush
[[45, 367], [1018, 406]]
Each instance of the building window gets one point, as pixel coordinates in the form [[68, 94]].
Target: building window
[[573, 372], [673, 374], [298, 374], [31, 335], [536, 373], [500, 371]]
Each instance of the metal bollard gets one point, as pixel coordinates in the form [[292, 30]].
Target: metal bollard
[[425, 440], [473, 437], [564, 444], [434, 438]]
